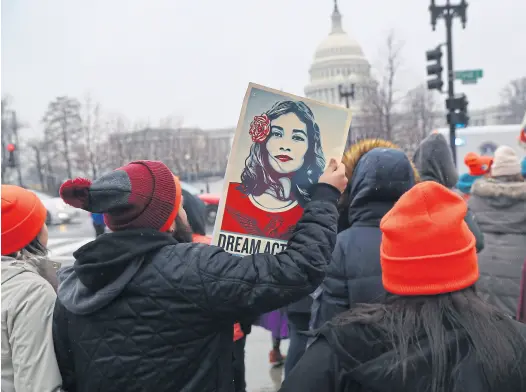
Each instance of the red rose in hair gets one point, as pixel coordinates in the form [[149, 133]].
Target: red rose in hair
[[259, 128], [522, 137]]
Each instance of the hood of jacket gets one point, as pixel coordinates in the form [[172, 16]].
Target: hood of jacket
[[500, 193], [364, 357], [499, 206], [379, 178], [104, 267], [41, 266], [12, 267], [434, 161]]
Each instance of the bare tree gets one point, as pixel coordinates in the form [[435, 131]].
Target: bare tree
[[63, 127], [419, 115], [6, 134], [383, 98], [88, 158], [514, 100], [38, 159]]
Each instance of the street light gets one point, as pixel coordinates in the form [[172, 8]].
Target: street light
[[346, 92]]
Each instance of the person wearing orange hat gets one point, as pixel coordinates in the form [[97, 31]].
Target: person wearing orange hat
[[479, 166], [143, 308], [28, 296], [433, 332]]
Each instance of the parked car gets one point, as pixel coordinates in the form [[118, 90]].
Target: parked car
[[58, 212], [211, 201]]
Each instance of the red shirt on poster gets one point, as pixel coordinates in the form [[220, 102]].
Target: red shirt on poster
[[242, 216]]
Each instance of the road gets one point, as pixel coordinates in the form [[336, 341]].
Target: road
[[65, 239]]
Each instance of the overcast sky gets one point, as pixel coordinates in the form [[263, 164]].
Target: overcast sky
[[195, 58]]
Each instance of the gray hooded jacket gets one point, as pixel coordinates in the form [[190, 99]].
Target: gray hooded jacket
[[500, 208], [28, 299], [434, 162]]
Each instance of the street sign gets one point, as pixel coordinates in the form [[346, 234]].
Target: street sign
[[469, 76]]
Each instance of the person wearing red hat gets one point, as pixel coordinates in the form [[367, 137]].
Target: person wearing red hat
[[28, 296], [479, 166], [145, 309], [433, 332]]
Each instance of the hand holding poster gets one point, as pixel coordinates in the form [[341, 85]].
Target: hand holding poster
[[281, 147]]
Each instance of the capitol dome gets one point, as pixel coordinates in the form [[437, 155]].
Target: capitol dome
[[338, 61]]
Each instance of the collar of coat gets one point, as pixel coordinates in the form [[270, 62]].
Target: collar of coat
[[488, 187]]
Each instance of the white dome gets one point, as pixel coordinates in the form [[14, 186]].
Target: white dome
[[338, 44], [338, 60]]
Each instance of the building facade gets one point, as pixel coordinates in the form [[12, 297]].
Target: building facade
[[191, 153]]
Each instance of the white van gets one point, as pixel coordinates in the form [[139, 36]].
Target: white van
[[484, 141]]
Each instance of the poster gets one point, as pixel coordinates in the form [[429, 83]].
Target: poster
[[281, 147]]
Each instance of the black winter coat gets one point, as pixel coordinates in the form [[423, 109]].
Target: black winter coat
[[434, 161], [357, 358], [195, 210], [354, 274], [138, 312]]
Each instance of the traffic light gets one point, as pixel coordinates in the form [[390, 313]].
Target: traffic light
[[435, 69], [458, 111], [11, 160]]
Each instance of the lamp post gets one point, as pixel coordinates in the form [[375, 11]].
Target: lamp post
[[346, 91]]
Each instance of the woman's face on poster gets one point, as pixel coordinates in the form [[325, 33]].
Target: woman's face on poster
[[288, 143]]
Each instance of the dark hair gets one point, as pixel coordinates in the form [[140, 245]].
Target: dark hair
[[495, 341], [34, 248], [256, 178]]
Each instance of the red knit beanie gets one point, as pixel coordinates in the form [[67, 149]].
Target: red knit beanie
[[478, 165], [142, 194], [23, 216], [427, 247]]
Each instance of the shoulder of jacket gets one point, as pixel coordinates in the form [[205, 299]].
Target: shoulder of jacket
[[32, 289], [183, 251]]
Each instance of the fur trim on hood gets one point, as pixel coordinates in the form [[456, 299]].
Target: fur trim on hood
[[359, 149], [490, 187], [355, 152]]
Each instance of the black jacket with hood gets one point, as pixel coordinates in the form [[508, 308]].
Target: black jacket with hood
[[354, 274], [356, 358], [195, 212], [434, 162], [140, 312]]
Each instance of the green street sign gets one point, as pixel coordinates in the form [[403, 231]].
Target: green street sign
[[469, 76]]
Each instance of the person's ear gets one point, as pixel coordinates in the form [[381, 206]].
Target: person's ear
[[172, 227]]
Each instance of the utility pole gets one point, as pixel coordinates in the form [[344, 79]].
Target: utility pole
[[346, 92], [448, 12]]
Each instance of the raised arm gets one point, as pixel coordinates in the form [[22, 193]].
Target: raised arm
[[241, 286]]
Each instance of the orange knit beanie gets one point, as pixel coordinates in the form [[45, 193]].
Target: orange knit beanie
[[23, 216], [427, 248], [478, 165]]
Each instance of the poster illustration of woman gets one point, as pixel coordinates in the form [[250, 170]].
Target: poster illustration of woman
[[278, 153]]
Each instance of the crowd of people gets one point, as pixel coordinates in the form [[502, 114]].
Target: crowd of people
[[399, 276]]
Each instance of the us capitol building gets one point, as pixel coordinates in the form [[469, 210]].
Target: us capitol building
[[339, 61]]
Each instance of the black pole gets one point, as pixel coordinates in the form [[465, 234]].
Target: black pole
[[451, 80], [347, 94]]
